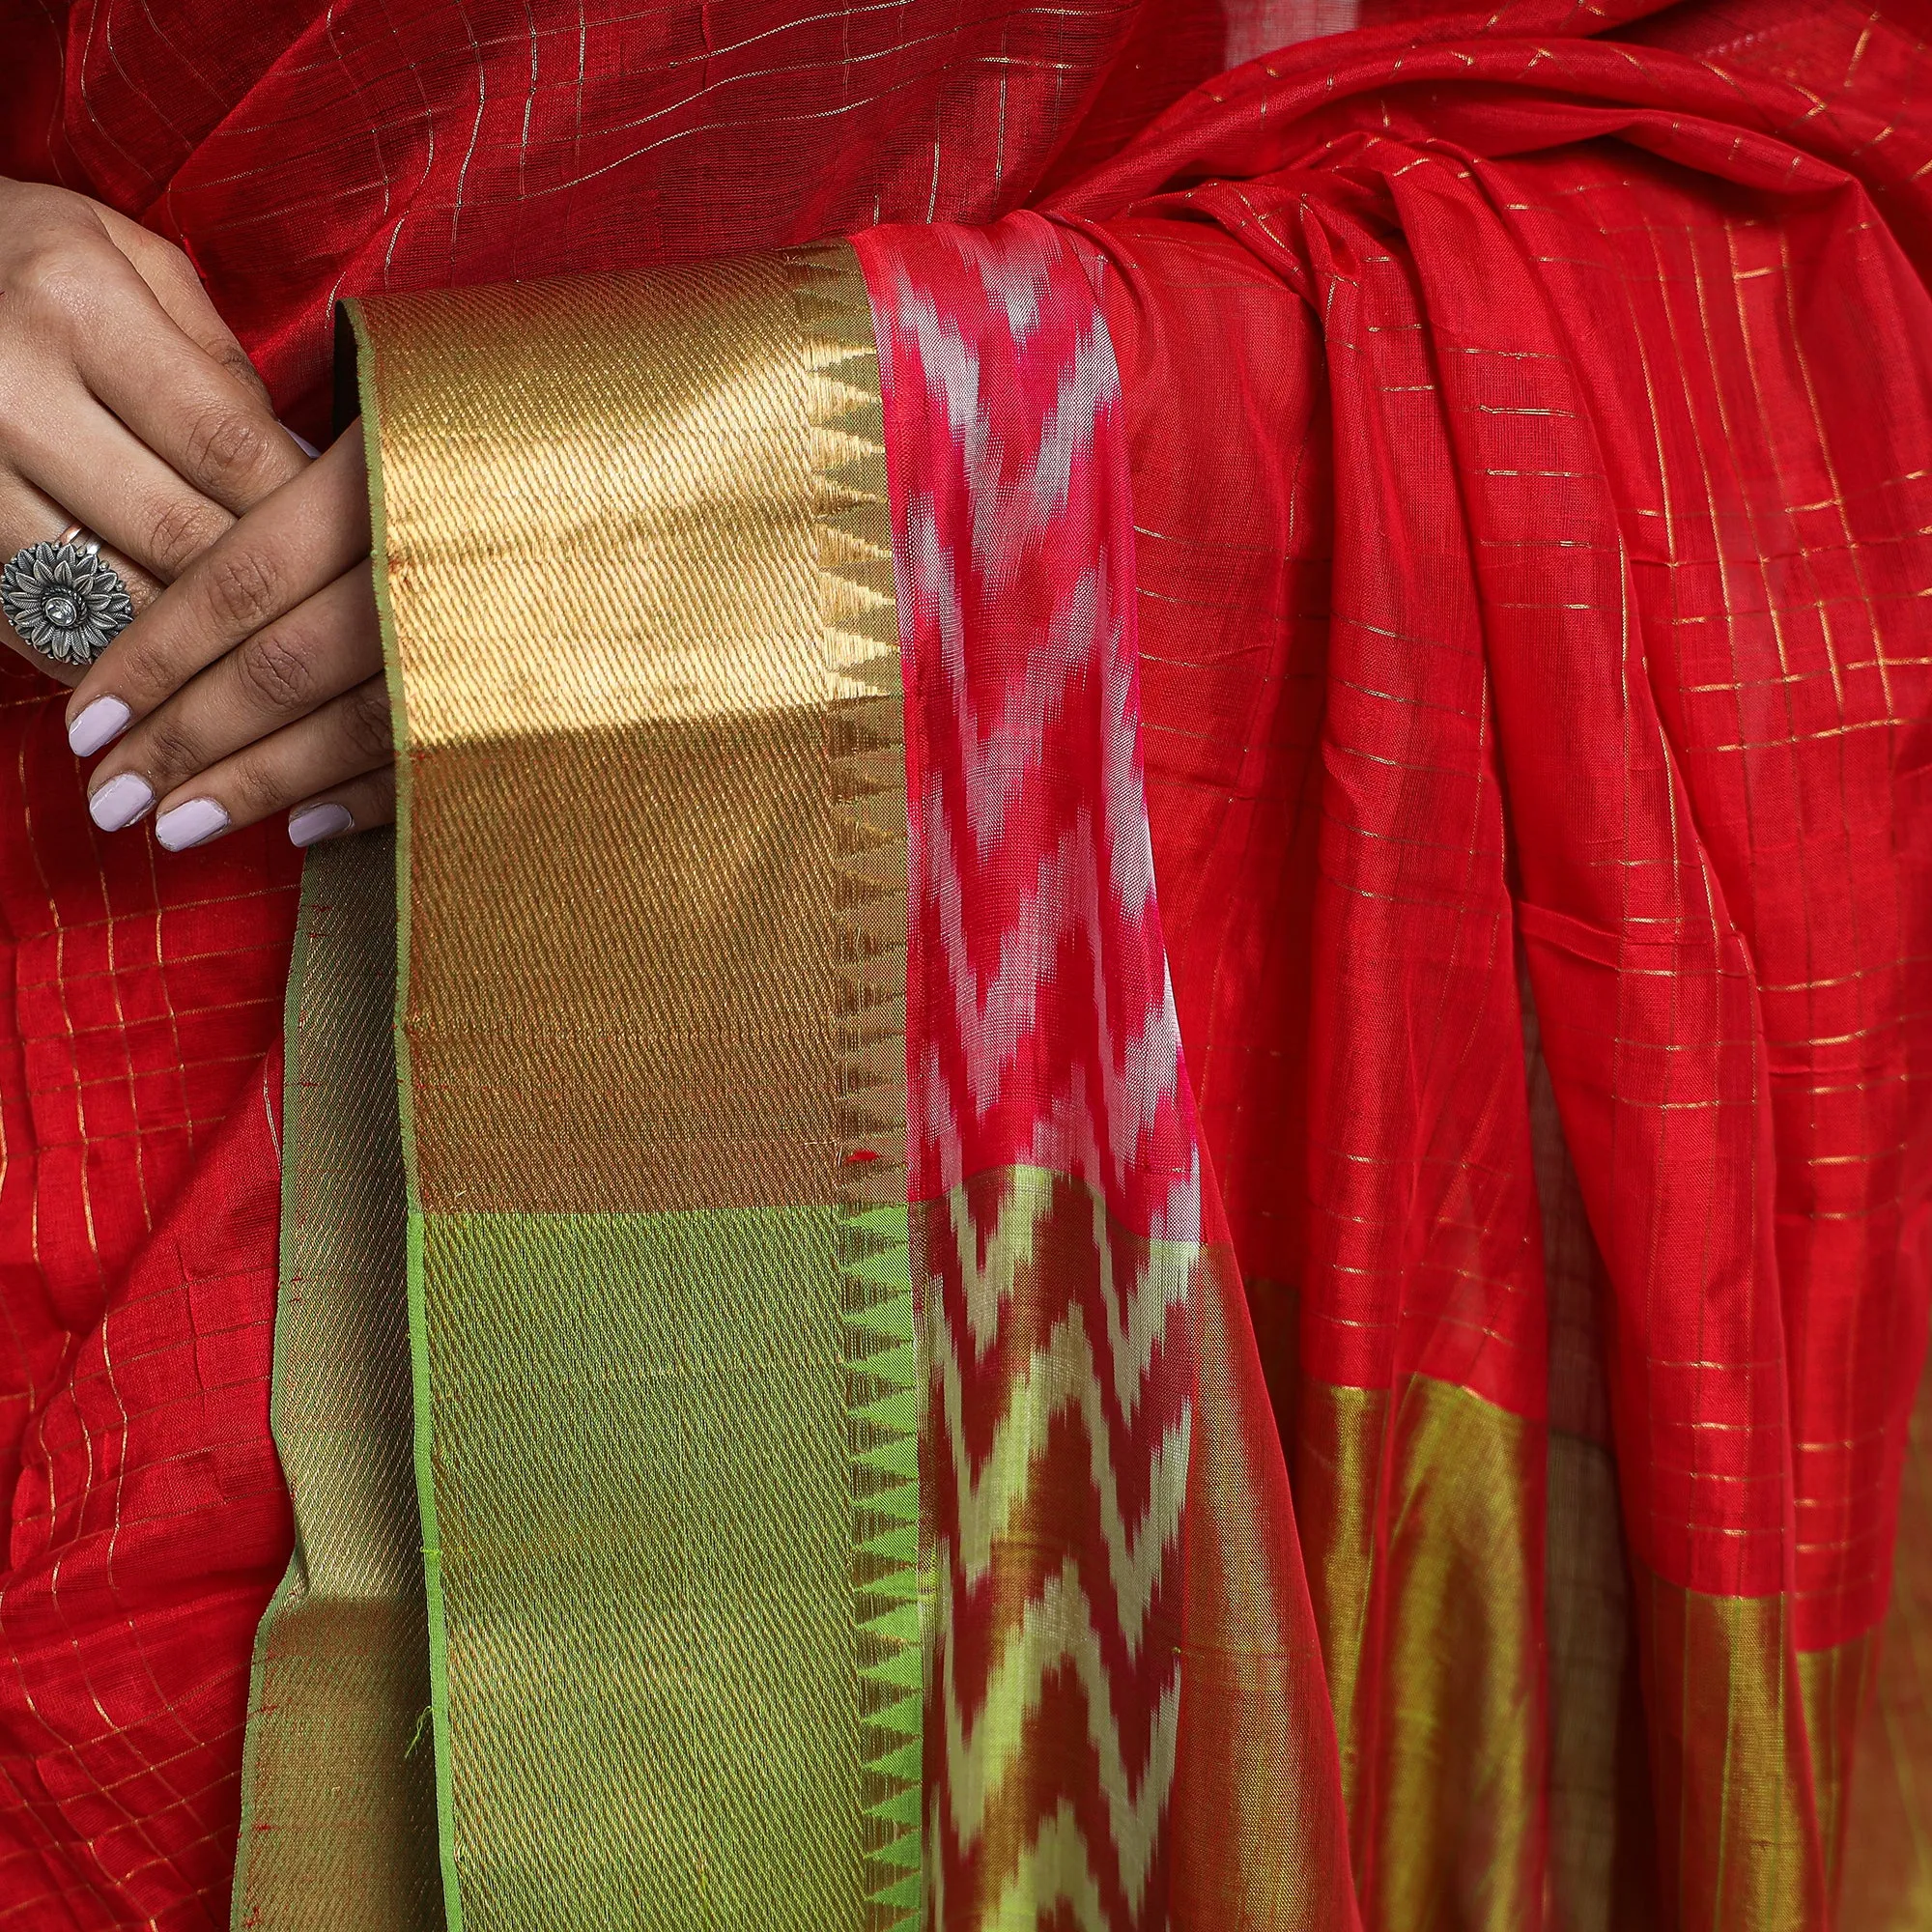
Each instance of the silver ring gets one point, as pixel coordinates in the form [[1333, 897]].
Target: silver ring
[[64, 600]]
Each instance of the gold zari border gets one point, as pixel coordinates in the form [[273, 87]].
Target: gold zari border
[[640, 573], [635, 571], [339, 1807]]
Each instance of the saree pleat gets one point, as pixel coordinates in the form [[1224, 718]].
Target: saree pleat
[[339, 1826], [1887, 1827], [1603, 1862], [1518, 553]]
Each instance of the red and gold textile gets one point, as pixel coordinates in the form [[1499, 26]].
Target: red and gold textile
[[1626, 581], [1125, 1715], [301, 152], [1419, 1336], [138, 1192]]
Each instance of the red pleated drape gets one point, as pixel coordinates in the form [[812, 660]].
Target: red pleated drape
[[1531, 504], [1527, 411]]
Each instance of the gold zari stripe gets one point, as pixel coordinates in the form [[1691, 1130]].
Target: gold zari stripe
[[640, 572], [339, 1813]]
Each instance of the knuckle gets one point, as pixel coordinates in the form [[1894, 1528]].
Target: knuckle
[[168, 753], [179, 528], [223, 446], [243, 587], [277, 672], [53, 272], [234, 359], [169, 257], [366, 721], [255, 787]]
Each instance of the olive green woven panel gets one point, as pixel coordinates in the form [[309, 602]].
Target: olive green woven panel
[[643, 1520], [339, 1822]]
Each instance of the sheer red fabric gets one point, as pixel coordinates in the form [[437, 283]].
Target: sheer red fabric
[[1599, 445]]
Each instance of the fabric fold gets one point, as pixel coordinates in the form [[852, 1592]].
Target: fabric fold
[[1089, 905], [636, 580], [1127, 1717], [338, 1822]]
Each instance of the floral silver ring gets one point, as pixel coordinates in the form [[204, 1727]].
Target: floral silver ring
[[65, 599]]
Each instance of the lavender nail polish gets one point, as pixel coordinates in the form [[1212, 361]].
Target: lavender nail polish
[[317, 822], [120, 801], [101, 723], [191, 824]]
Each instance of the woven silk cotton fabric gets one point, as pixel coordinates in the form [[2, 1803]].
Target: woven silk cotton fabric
[[300, 152], [1587, 369], [303, 151], [660, 1311], [339, 1823], [1490, 452], [1121, 1645]]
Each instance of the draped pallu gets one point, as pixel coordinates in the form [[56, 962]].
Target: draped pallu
[[795, 1482], [860, 1355], [1131, 1129]]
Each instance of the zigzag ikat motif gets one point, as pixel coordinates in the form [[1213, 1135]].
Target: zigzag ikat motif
[[1054, 1169]]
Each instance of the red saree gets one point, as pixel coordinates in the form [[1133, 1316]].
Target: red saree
[[1489, 455]]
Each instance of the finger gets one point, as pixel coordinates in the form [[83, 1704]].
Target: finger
[[210, 426], [361, 806], [172, 278], [26, 517], [59, 437], [75, 452], [343, 740], [324, 648], [301, 540], [179, 290]]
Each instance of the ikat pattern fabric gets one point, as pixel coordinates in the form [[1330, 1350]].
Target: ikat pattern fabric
[[1045, 1063], [1077, 1304]]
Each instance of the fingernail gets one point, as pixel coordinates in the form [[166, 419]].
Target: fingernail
[[101, 723], [314, 822], [191, 824], [120, 801]]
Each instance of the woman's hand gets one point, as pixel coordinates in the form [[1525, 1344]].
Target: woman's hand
[[126, 405], [255, 682]]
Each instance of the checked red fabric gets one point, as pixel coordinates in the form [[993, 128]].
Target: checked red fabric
[[1533, 546], [1529, 420], [1630, 553]]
